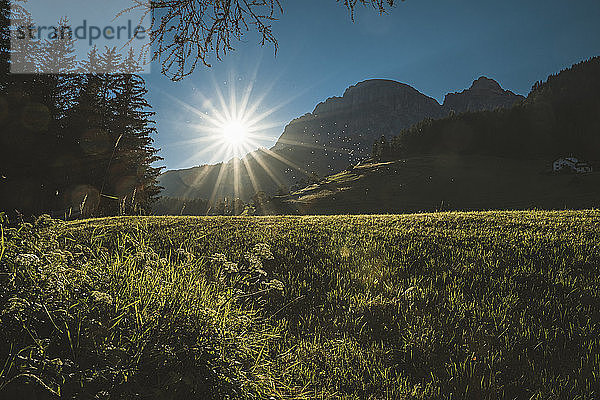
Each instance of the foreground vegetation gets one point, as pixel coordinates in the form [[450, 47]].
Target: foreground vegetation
[[496, 305]]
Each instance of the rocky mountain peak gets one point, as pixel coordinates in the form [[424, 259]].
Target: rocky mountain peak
[[370, 93], [484, 83], [484, 94], [370, 85]]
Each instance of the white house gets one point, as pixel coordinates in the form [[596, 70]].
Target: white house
[[571, 164]]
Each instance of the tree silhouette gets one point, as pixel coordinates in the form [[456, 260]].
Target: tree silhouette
[[136, 182], [72, 144]]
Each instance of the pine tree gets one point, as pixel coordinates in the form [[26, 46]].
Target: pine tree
[[137, 186], [56, 88], [58, 51], [22, 50], [89, 141]]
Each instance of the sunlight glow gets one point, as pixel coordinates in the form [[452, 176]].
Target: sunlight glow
[[235, 133], [231, 127]]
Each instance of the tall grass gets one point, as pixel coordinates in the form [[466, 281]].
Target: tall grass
[[498, 305]]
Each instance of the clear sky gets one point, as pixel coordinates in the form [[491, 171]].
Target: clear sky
[[435, 46]]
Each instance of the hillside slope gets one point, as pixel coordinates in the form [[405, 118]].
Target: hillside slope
[[432, 183]]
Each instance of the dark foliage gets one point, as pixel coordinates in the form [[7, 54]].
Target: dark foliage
[[73, 144]]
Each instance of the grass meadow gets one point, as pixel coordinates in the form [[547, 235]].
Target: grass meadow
[[490, 305]]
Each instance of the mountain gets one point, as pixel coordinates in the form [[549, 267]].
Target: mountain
[[337, 134], [341, 131], [478, 160], [484, 94]]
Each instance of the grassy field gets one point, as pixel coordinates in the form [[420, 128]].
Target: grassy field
[[496, 305]]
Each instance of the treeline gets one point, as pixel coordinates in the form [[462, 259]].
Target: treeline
[[73, 144], [559, 117], [176, 206], [261, 203]]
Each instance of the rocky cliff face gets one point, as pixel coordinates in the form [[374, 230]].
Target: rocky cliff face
[[338, 133], [341, 130], [484, 94]]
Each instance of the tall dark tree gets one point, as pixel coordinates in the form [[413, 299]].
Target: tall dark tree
[[88, 143], [133, 180], [56, 87]]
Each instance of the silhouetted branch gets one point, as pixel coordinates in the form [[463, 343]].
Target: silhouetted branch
[[187, 32]]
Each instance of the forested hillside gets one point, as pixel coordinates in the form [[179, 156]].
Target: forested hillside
[[560, 116]]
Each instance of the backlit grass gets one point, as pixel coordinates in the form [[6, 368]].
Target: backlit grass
[[497, 305]]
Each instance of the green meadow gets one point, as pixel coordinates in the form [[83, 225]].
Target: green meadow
[[482, 305]]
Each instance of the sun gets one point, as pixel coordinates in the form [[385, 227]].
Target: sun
[[235, 133], [229, 128]]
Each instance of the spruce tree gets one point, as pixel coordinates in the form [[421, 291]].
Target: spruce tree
[[136, 186]]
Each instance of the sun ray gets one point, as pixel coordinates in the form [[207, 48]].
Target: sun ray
[[246, 97], [232, 97], [265, 167], [273, 109], [223, 170], [313, 146], [230, 128], [200, 177], [250, 88], [250, 173], [209, 149], [285, 161], [195, 110], [224, 107], [236, 179]]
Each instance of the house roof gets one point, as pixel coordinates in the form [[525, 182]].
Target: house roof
[[573, 160]]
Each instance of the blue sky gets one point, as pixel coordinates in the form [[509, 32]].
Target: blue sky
[[90, 24], [435, 46]]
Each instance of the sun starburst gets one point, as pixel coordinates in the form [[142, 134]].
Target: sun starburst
[[233, 128]]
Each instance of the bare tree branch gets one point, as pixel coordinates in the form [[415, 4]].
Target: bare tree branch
[[185, 33]]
